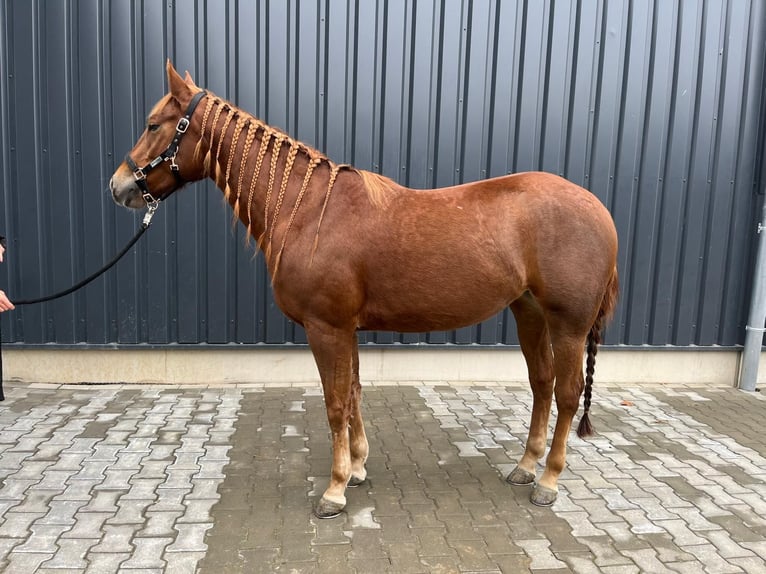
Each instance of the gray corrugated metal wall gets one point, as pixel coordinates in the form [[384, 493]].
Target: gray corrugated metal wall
[[655, 106]]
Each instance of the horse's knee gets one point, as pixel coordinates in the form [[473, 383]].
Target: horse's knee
[[542, 386], [338, 412]]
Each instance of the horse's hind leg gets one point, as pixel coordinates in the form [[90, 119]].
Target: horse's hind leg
[[568, 353], [359, 446], [536, 347], [333, 351]]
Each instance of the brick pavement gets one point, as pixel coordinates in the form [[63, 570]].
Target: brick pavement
[[154, 479]]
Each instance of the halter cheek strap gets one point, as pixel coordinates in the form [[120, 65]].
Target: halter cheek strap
[[169, 154]]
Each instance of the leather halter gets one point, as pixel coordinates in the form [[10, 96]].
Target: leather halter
[[169, 154]]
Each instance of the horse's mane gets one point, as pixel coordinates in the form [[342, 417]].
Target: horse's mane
[[377, 186], [244, 123]]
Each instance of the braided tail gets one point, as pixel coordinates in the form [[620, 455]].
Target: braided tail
[[585, 428]]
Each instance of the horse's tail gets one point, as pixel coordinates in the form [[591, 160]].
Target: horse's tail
[[608, 303]]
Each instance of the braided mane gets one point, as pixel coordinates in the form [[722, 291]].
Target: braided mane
[[240, 194]]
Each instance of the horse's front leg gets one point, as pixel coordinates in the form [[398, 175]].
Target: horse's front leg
[[333, 351], [359, 446]]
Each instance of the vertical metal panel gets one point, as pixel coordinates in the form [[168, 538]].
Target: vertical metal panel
[[656, 107]]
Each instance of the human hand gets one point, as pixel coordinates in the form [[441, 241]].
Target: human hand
[[5, 303]]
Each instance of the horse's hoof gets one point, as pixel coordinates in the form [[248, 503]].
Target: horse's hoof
[[519, 477], [355, 481], [327, 508], [543, 496]]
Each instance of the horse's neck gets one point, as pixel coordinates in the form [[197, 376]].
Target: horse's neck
[[251, 163], [237, 159]]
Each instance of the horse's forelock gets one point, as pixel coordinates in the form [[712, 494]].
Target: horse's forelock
[[159, 106]]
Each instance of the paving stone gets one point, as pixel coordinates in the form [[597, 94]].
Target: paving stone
[[105, 452], [25, 562], [103, 501], [670, 484], [77, 490], [116, 539], [680, 532], [646, 560], [708, 555], [190, 538], [204, 488], [130, 512], [117, 479], [758, 547], [542, 557], [473, 555], [70, 555], [92, 470], [403, 557], [441, 563], [736, 528], [17, 524], [147, 554], [186, 563], [749, 564], [602, 548], [197, 510], [6, 546], [35, 502], [512, 562], [689, 567], [88, 525], [61, 512], [160, 524], [142, 489], [639, 524], [296, 547], [667, 549], [43, 539], [13, 489]]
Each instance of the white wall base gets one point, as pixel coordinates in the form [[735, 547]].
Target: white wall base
[[277, 366]]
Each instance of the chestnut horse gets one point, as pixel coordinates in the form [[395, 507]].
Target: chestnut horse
[[349, 250]]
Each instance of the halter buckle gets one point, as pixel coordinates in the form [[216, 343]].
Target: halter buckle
[[139, 174], [151, 201], [183, 125]]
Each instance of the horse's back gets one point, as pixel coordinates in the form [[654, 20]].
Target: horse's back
[[540, 212], [449, 257]]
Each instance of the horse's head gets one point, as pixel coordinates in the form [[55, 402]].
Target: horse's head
[[162, 160]]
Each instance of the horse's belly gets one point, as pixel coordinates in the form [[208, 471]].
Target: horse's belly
[[435, 311]]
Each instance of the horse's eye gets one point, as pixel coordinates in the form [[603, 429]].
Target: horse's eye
[[153, 127]]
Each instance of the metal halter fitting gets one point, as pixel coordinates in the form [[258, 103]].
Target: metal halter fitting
[[169, 154]]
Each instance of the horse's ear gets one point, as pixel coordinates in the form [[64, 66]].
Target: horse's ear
[[189, 81], [178, 88]]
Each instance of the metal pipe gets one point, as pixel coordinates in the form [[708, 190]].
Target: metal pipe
[[748, 373]]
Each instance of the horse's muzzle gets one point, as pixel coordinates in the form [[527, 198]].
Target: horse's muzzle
[[125, 192]]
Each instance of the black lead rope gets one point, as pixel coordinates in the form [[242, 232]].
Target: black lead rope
[[141, 230], [88, 279], [139, 173]]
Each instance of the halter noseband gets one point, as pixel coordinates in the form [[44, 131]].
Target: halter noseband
[[169, 154]]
